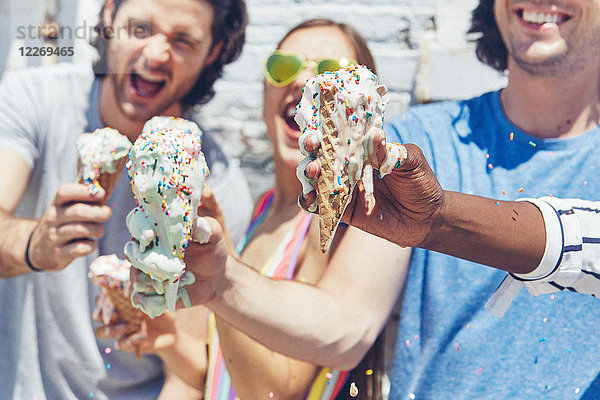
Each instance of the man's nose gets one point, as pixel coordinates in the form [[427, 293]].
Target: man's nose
[[156, 51]]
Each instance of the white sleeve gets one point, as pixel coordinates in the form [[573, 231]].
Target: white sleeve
[[571, 258]]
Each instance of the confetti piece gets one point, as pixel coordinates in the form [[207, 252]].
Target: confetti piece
[[497, 203], [504, 192], [479, 371], [369, 372], [487, 156], [585, 183], [531, 144], [329, 375], [412, 396], [576, 390], [520, 190], [107, 350], [468, 326], [353, 390], [270, 395], [490, 166], [545, 320], [552, 296], [107, 366], [542, 339], [407, 343], [512, 135], [416, 337]]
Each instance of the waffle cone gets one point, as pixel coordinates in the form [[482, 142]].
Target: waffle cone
[[332, 198], [126, 313], [108, 181]]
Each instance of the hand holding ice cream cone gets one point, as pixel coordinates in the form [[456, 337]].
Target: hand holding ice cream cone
[[69, 228], [408, 199], [340, 115]]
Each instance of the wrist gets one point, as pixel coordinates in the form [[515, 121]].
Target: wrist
[[439, 220], [28, 255]]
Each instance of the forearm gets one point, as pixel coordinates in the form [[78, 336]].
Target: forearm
[[14, 235], [505, 235], [292, 318]]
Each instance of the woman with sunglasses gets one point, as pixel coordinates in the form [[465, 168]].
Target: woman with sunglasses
[[283, 242]]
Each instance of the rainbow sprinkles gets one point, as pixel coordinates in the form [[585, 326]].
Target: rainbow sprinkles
[[167, 171]]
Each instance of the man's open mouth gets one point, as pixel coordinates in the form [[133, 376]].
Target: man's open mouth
[[146, 85]]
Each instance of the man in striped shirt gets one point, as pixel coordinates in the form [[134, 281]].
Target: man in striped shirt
[[546, 244]]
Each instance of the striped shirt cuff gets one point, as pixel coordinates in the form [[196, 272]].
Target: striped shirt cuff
[[554, 243], [561, 265]]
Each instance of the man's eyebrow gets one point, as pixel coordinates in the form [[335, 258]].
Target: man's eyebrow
[[177, 34], [131, 20]]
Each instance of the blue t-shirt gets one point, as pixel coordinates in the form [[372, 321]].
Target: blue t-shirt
[[449, 346]]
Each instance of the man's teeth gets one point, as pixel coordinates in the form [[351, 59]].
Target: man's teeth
[[149, 78], [541, 18]]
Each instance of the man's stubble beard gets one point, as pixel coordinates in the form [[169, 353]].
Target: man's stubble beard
[[565, 64]]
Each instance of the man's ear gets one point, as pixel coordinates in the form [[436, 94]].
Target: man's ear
[[108, 13], [214, 53]]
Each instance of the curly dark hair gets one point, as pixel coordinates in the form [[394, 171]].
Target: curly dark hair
[[229, 28], [490, 47]]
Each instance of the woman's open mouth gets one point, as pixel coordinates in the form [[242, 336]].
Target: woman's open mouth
[[292, 129]]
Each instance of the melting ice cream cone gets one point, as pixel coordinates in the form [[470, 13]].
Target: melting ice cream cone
[[167, 171], [113, 305], [345, 110], [102, 156]]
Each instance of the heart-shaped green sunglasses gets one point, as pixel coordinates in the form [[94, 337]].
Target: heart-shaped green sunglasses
[[282, 68]]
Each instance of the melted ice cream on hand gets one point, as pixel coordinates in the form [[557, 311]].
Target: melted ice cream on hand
[[358, 116], [167, 171], [101, 152], [146, 295]]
